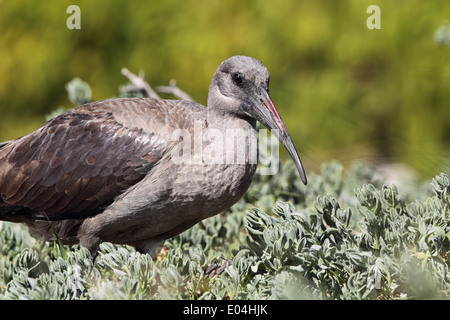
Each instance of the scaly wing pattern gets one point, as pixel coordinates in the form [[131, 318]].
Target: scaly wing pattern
[[75, 165]]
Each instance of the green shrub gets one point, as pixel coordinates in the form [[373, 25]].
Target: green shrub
[[315, 242], [346, 235]]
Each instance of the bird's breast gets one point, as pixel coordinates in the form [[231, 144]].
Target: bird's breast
[[214, 171], [212, 189]]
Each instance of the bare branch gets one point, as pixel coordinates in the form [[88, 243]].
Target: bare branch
[[139, 83], [174, 90]]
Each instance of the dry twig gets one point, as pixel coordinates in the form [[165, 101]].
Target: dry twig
[[139, 83], [174, 90]]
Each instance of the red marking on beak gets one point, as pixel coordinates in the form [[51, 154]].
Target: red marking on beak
[[272, 108]]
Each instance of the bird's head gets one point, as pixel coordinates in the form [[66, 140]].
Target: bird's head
[[240, 87]]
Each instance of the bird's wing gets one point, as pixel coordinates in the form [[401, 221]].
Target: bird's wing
[[77, 163]]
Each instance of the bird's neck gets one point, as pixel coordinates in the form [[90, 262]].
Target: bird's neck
[[235, 137], [223, 111], [222, 120]]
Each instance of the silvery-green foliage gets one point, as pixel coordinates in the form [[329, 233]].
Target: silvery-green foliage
[[336, 239], [347, 235], [79, 91], [392, 240], [442, 34]]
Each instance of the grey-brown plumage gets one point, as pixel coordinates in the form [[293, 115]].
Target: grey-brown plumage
[[110, 171]]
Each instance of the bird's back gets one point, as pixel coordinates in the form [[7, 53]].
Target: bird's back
[[77, 163]]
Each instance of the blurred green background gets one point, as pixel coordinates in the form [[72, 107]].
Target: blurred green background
[[345, 92]]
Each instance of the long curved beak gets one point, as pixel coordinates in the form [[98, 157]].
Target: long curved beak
[[268, 115]]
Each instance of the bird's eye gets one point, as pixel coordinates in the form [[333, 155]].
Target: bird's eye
[[237, 79]]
